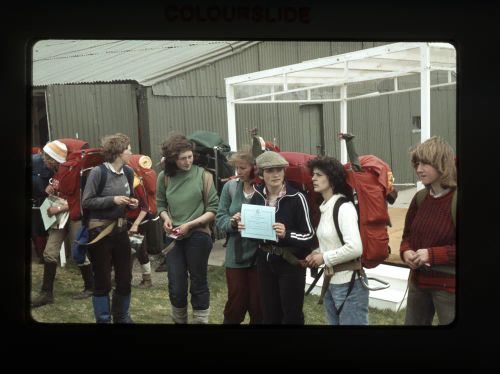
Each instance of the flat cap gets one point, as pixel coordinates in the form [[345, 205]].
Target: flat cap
[[271, 159]]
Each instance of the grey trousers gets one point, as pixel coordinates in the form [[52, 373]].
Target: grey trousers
[[423, 303]]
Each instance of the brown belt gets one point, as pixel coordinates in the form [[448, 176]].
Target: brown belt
[[285, 252], [120, 223]]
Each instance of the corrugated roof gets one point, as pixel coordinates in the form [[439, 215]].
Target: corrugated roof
[[144, 61]]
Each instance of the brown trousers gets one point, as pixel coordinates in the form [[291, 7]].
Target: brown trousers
[[242, 296]]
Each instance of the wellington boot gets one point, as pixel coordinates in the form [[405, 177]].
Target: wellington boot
[[120, 308]]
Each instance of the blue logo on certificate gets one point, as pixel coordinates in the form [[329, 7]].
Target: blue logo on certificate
[[258, 221]]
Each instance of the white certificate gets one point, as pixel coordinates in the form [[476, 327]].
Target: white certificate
[[258, 221]]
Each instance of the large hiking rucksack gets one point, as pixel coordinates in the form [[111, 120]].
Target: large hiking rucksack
[[74, 144], [72, 175], [298, 175], [371, 186], [212, 154], [146, 182]]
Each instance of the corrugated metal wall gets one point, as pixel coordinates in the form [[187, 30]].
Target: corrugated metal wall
[[383, 125], [196, 101], [93, 111]]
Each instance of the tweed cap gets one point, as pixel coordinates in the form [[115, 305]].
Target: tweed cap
[[57, 150], [270, 159]]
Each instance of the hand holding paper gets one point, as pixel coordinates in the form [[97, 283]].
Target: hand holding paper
[[258, 222]]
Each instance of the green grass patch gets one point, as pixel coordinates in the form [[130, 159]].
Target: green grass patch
[[152, 305]]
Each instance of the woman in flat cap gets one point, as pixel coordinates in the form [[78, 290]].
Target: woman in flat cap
[[280, 262]]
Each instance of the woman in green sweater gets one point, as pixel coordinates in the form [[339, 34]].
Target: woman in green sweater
[[187, 202], [241, 273]]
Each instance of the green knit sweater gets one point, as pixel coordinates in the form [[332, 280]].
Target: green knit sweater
[[183, 199], [239, 251]]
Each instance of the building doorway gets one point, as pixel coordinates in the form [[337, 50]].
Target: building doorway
[[311, 119]]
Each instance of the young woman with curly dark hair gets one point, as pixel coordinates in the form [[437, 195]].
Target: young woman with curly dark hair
[[341, 306], [187, 202]]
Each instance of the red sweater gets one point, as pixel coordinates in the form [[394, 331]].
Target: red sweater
[[430, 226]]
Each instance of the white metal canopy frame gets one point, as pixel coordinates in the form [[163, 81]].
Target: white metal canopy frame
[[388, 69]]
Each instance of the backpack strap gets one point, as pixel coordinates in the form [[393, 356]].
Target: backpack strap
[[232, 188], [207, 183], [102, 179], [356, 263], [336, 207], [129, 173], [421, 196]]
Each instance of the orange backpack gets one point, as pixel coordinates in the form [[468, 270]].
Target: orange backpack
[[146, 186], [371, 188]]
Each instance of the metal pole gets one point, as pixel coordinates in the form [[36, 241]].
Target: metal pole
[[425, 97], [216, 151], [231, 117], [343, 122]]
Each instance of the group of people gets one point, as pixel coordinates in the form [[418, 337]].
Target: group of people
[[266, 278]]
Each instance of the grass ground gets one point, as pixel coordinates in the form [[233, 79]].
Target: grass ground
[[152, 306]]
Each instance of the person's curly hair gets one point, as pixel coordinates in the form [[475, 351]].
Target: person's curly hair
[[438, 153], [114, 145], [335, 173], [171, 148]]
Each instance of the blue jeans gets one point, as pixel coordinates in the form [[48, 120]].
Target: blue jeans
[[189, 257], [355, 310]]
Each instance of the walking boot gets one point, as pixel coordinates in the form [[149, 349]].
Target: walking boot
[[101, 309], [146, 281], [88, 282], [201, 316], [146, 276], [46, 296], [162, 267], [179, 315], [119, 308]]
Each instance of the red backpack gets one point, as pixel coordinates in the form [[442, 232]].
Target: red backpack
[[299, 176], [73, 173], [74, 144], [371, 188], [146, 186]]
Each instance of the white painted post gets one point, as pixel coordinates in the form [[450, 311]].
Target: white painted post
[[425, 94], [425, 97], [343, 122], [62, 255], [231, 117]]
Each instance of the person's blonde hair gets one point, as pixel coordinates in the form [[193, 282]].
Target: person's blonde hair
[[440, 155], [244, 154]]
